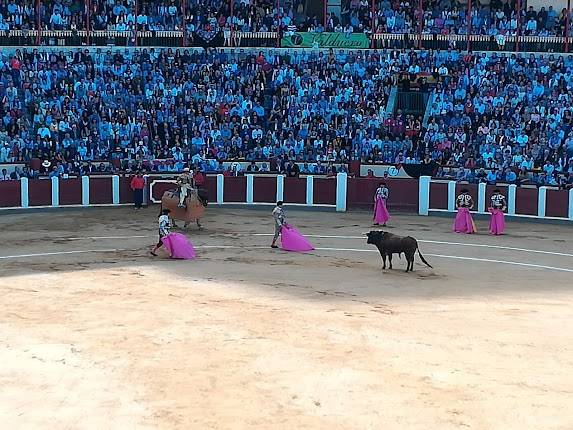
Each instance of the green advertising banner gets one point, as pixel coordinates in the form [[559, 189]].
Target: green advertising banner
[[326, 40]]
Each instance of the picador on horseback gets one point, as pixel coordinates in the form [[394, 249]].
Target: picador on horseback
[[185, 184], [186, 202]]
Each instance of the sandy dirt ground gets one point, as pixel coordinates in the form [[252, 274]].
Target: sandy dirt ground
[[95, 334]]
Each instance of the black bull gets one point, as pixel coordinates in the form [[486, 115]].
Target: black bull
[[388, 244]]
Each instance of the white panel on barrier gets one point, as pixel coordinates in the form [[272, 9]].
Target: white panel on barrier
[[424, 195], [341, 191], [220, 188], [250, 189], [511, 193], [115, 189], [55, 191], [85, 190], [541, 201], [482, 189], [280, 187], [310, 190], [24, 196], [451, 196]]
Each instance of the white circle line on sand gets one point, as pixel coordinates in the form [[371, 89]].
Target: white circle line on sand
[[456, 257], [437, 242], [45, 254], [485, 260], [106, 237]]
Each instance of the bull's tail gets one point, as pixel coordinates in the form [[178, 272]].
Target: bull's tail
[[423, 259]]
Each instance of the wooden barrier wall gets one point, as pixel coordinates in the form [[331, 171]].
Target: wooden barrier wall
[[356, 193]]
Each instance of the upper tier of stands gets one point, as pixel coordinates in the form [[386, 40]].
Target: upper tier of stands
[[491, 25]]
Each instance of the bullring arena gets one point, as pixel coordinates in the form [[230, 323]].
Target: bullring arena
[[96, 334]]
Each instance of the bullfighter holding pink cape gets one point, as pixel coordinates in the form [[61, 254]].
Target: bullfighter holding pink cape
[[464, 222], [176, 244], [291, 238], [179, 246], [381, 215], [497, 209]]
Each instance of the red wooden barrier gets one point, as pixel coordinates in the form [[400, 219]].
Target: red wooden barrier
[[265, 189], [526, 201], [40, 192], [211, 187], [324, 191], [100, 191], [235, 189], [360, 193], [159, 189], [403, 193], [557, 204], [125, 192], [438, 195], [295, 190], [71, 191], [10, 194]]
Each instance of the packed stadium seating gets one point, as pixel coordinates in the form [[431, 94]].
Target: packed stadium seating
[[439, 17], [130, 107], [123, 15], [484, 116]]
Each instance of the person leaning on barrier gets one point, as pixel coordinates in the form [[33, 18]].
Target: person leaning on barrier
[[252, 168], [292, 169]]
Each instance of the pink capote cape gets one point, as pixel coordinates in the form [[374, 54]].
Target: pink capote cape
[[381, 215], [292, 240], [179, 246], [497, 221], [464, 222]]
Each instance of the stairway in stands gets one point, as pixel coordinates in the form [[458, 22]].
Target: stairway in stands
[[316, 7], [412, 97]]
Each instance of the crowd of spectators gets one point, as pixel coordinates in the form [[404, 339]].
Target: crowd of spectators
[[502, 116], [180, 106], [167, 15], [161, 109], [496, 17]]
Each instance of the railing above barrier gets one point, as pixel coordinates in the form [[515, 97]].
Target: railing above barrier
[[130, 38], [473, 42]]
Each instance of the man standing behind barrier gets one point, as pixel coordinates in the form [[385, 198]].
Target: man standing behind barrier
[[137, 186], [292, 170]]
